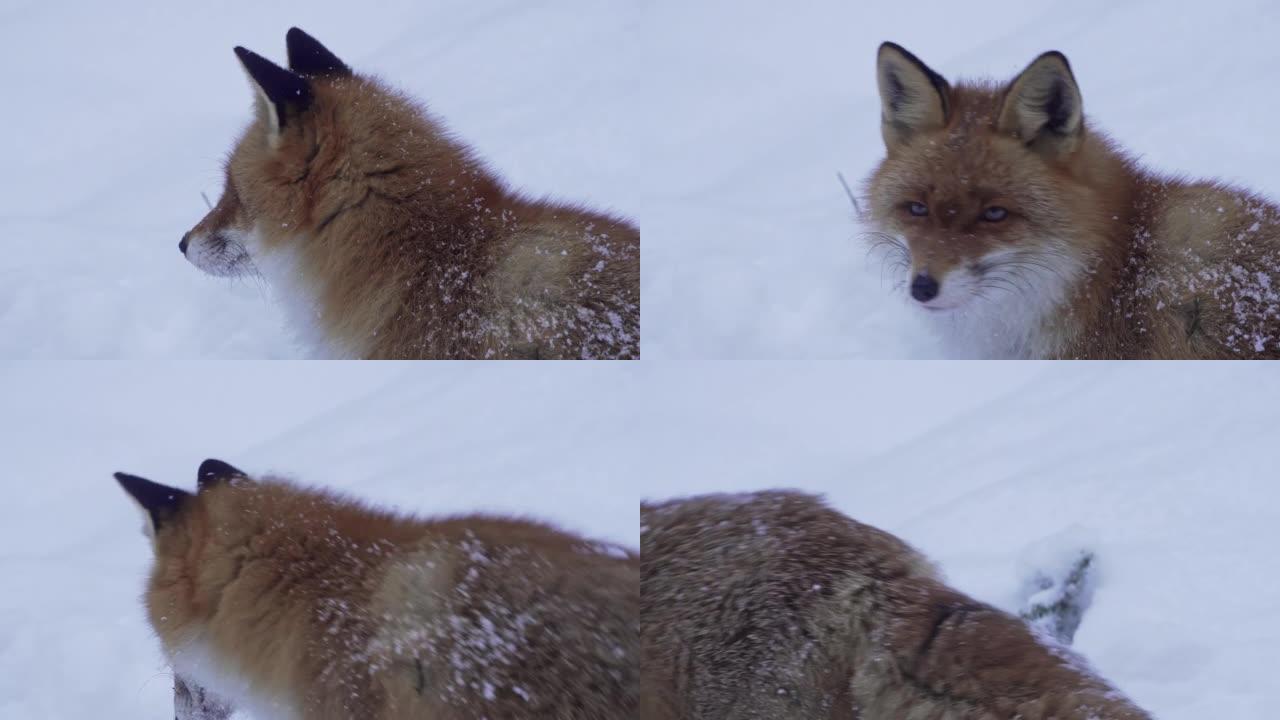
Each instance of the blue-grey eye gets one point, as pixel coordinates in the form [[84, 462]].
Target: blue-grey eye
[[995, 213], [918, 209]]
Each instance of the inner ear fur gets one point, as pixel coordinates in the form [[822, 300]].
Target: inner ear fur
[[913, 98], [1043, 108]]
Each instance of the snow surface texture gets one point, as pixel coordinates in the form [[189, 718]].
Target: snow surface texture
[[1166, 471], [123, 113]]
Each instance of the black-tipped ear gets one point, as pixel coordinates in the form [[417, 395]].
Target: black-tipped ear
[[308, 57], [913, 98], [1043, 108], [287, 93], [214, 472], [160, 502]]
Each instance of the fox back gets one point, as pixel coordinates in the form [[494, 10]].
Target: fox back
[[385, 237], [1025, 232], [772, 605], [294, 603]]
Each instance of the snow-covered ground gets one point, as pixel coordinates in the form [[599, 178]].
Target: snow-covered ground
[[1167, 471]]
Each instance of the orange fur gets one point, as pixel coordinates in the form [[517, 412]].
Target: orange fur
[[402, 244], [773, 606], [316, 606]]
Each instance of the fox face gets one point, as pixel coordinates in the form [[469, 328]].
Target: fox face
[[977, 198], [271, 155], [381, 235], [219, 243], [323, 143]]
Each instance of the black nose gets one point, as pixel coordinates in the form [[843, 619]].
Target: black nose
[[924, 288], [182, 244]]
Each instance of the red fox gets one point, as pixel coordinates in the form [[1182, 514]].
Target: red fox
[[1029, 234], [773, 606], [293, 603], [384, 237]]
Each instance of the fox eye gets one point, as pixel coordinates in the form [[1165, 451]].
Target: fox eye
[[995, 213], [918, 209]]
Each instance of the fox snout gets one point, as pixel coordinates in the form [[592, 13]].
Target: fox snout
[[940, 282], [924, 287], [218, 244], [221, 252]]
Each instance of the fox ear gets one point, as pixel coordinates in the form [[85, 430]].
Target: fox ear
[[913, 98], [1043, 107], [215, 472], [308, 57], [159, 504], [284, 93]]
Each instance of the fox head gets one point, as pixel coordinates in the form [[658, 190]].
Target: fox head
[[179, 522], [272, 154], [323, 141], [988, 191]]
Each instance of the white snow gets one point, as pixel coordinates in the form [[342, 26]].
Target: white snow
[[1050, 572]]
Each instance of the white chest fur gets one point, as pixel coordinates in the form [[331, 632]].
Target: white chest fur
[[298, 294], [196, 662], [1019, 310]]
